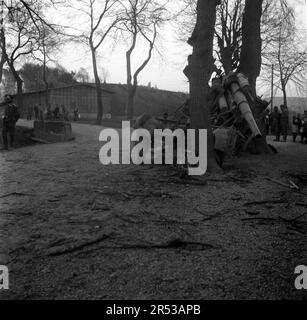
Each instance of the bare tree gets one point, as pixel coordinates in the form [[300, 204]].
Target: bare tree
[[15, 9], [228, 34], [102, 16], [143, 19], [20, 39], [228, 29], [21, 34], [286, 51], [185, 19]]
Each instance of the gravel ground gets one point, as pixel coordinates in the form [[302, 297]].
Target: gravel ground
[[71, 228]]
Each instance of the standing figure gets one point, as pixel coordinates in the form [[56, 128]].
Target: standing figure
[[56, 113], [76, 114], [284, 122], [267, 121], [276, 123], [48, 113], [29, 114], [40, 113], [65, 114], [304, 131], [301, 127], [62, 111], [11, 116], [36, 112], [295, 129]]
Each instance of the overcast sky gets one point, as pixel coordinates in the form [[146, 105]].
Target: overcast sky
[[165, 71]]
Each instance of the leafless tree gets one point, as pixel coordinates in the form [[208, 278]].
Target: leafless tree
[[102, 17], [22, 30], [143, 20], [228, 34], [185, 19], [19, 39], [286, 51], [228, 30]]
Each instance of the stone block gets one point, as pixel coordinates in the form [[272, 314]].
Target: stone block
[[53, 131]]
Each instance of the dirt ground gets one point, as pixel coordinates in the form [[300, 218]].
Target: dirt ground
[[72, 228]]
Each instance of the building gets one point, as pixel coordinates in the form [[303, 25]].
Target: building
[[81, 96], [114, 96]]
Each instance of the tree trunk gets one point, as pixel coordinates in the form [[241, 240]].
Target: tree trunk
[[250, 63], [199, 71], [98, 87], [250, 59], [130, 102], [3, 44], [19, 85], [2, 62], [131, 91], [225, 55], [20, 94], [47, 94], [46, 87], [284, 92], [45, 77]]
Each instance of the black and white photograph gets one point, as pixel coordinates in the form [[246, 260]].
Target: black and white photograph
[[153, 151]]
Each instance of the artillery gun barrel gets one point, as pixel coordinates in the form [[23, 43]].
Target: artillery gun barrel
[[245, 109]]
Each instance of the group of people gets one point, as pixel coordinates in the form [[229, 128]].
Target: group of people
[[278, 123], [60, 114]]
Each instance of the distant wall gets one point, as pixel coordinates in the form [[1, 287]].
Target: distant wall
[[147, 100], [83, 98]]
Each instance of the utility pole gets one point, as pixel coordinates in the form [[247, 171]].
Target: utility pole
[[272, 89]]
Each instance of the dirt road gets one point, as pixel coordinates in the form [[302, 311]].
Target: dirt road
[[72, 228]]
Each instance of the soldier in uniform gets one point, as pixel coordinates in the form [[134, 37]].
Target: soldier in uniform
[[9, 119], [276, 123], [284, 122], [36, 112]]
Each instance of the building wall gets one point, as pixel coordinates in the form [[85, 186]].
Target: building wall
[[84, 98]]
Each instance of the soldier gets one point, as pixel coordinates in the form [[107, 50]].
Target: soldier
[[276, 123], [295, 127], [36, 112], [30, 112], [267, 121], [304, 129], [76, 114], [284, 122], [301, 127], [11, 116], [56, 113]]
